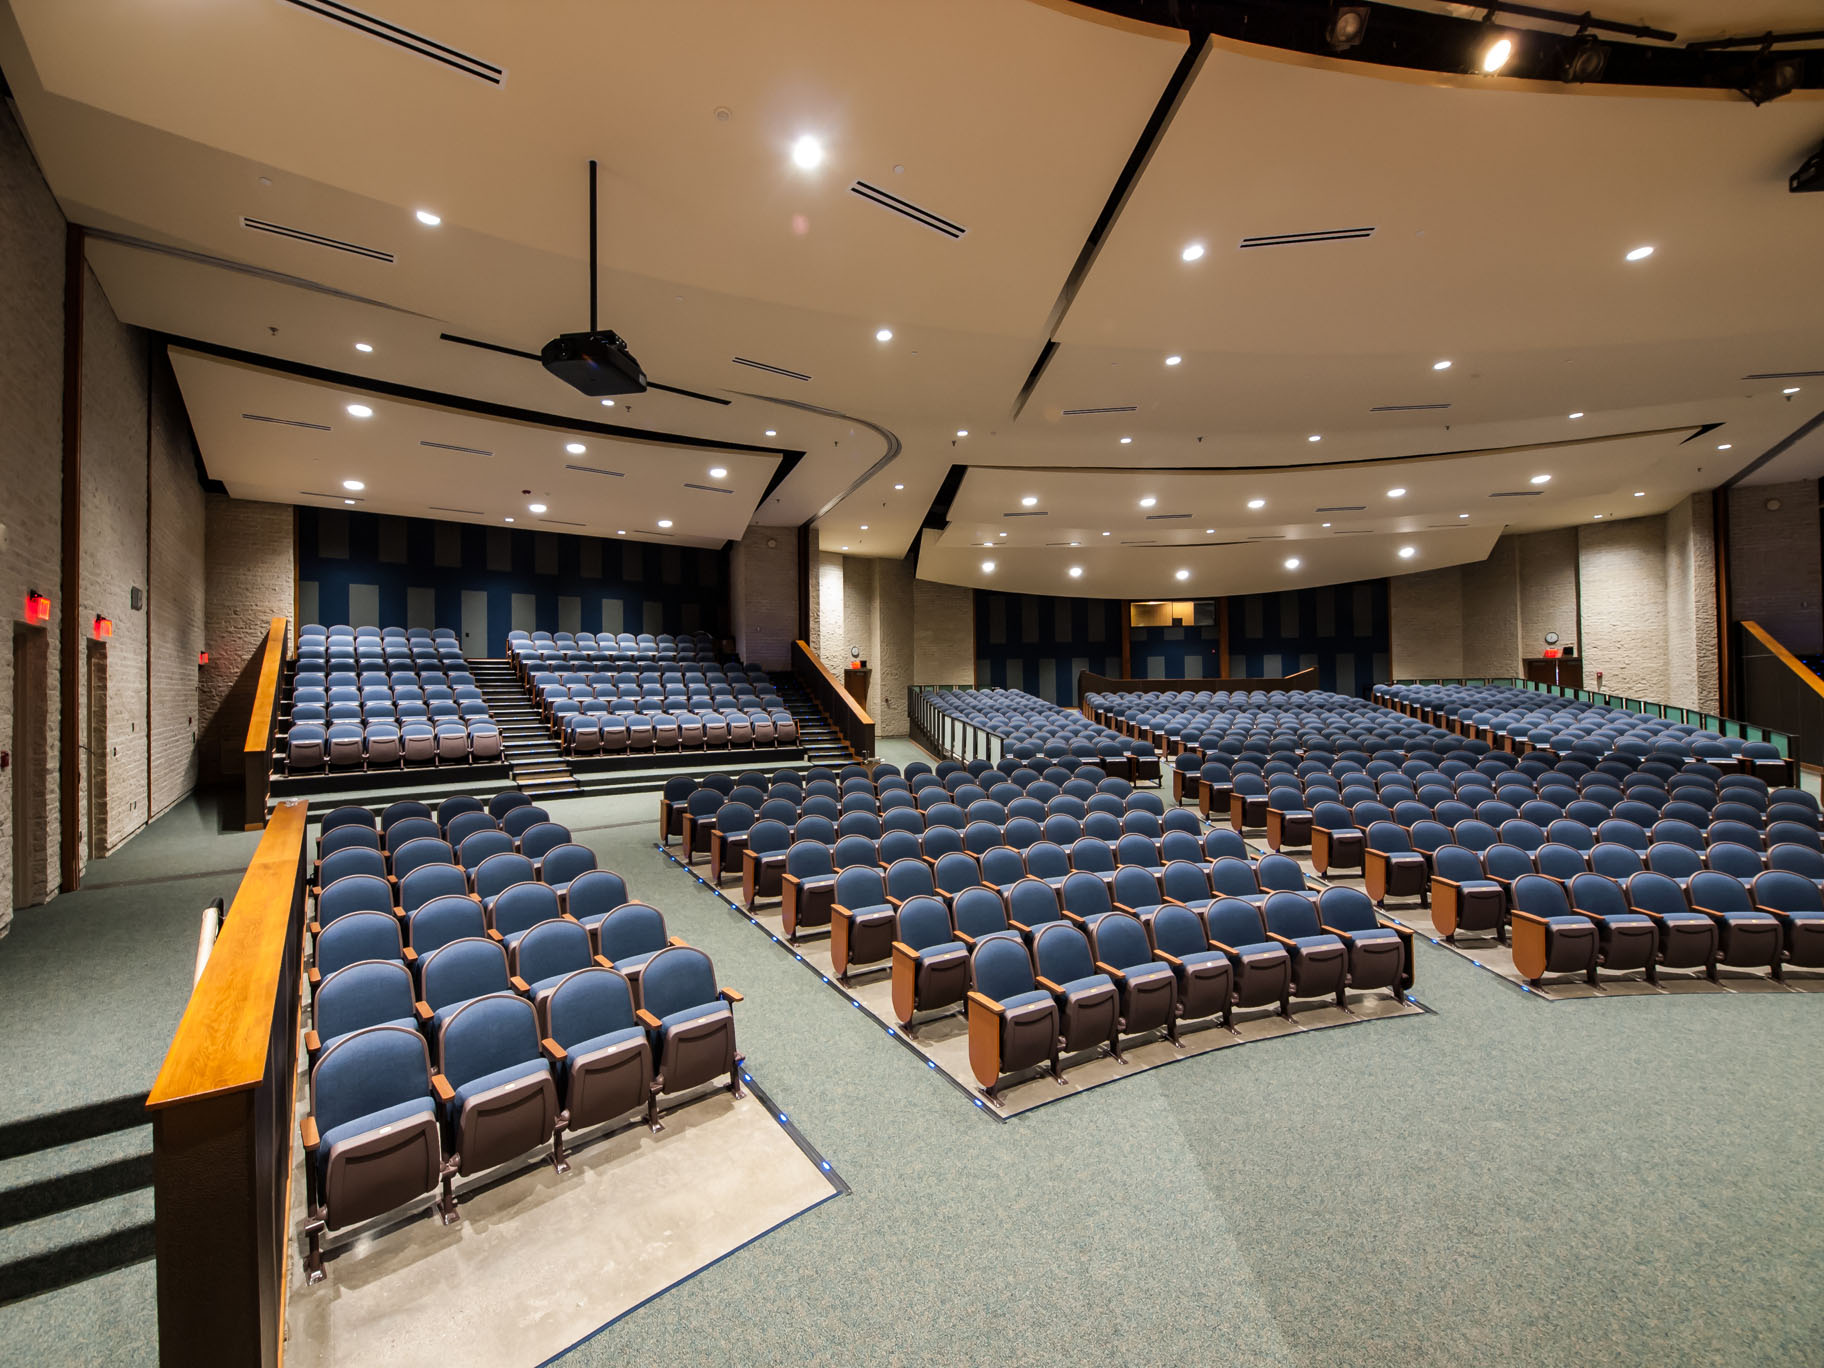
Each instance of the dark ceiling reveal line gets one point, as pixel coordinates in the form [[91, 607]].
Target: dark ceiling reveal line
[[1176, 87], [886, 435], [1786, 443], [240, 268], [481, 407]]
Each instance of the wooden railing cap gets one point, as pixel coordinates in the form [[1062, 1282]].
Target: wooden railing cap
[[861, 713]]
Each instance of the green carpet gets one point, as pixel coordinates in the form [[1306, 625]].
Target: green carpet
[[1602, 1182]]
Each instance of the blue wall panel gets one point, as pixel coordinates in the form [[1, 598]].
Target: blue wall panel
[[1039, 643], [1341, 629], [680, 588]]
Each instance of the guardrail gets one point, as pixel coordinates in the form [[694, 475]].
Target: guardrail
[[1777, 684], [845, 714], [950, 738], [222, 1127], [256, 752], [1696, 717]]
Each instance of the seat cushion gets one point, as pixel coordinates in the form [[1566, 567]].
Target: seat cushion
[[1142, 973], [1479, 886], [1379, 933], [1573, 924], [475, 1087], [601, 1042], [626, 962], [867, 915], [1629, 919], [373, 1121], [1019, 1000], [931, 952], [685, 1016], [1087, 984], [1260, 948]]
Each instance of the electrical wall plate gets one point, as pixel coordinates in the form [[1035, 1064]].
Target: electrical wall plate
[[136, 598]]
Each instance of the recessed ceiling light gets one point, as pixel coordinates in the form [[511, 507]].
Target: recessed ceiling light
[[364, 346], [884, 335], [1724, 446], [360, 411], [988, 567], [1640, 254], [607, 403], [962, 432], [506, 520], [1598, 515], [620, 531], [1497, 55], [1029, 501], [1462, 515], [536, 508], [1192, 251], [1209, 531], [807, 153], [845, 548], [1408, 552], [1127, 441], [1184, 574], [1640, 493], [428, 219], [575, 448], [1293, 562], [1173, 360], [1396, 493], [1105, 534], [1257, 503], [1440, 365], [718, 472], [1326, 524], [772, 432], [348, 501], [1148, 501], [1542, 479], [899, 486], [864, 527], [1076, 543], [664, 522], [1315, 437], [1076, 572], [353, 484], [1577, 414], [1790, 389]]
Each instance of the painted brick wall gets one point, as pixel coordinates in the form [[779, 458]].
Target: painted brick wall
[[1425, 614], [763, 584], [1491, 612], [31, 464], [828, 630], [891, 646], [1775, 574], [174, 606], [249, 578], [1547, 572], [1691, 617], [1622, 566], [943, 633]]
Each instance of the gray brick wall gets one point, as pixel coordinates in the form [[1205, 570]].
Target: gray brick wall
[[1425, 624], [1622, 565], [174, 602], [891, 642], [1691, 624], [1547, 570], [250, 575], [1491, 612], [943, 633], [1775, 575], [763, 595]]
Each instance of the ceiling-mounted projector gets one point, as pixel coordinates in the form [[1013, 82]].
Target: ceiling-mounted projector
[[596, 362]]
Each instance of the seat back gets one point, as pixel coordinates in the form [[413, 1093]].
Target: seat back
[[1031, 902], [356, 860], [354, 893], [358, 936], [1279, 873], [678, 977], [863, 886], [630, 929], [521, 906], [442, 920], [1346, 909], [551, 948], [1061, 953], [1291, 915], [1235, 923], [1718, 892], [486, 1035], [499, 872], [977, 912], [1000, 968], [483, 845], [1598, 895], [365, 993], [589, 1003], [1540, 896], [925, 921], [1784, 891], [1120, 940], [462, 969], [367, 1072]]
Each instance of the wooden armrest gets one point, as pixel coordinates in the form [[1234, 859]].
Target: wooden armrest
[[393, 879], [1048, 985], [410, 955], [964, 937], [1707, 911], [1279, 939], [495, 936], [791, 878], [730, 996], [565, 916], [553, 1051], [1123, 907], [897, 903], [1218, 945], [519, 984], [1120, 975], [1019, 926], [646, 1019], [1530, 917], [603, 962], [1170, 959], [422, 1010], [308, 1129], [315, 928], [314, 977], [677, 940], [985, 1002], [311, 1042], [1448, 883], [441, 1087], [838, 910], [473, 897]]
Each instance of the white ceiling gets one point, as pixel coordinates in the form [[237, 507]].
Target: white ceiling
[[1501, 213]]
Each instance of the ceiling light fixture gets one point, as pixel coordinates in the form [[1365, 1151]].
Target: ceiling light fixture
[[607, 403], [353, 484], [1462, 515], [1396, 493], [1192, 251], [506, 520], [1184, 574], [1440, 365], [1577, 414], [1293, 562], [845, 548], [1724, 446], [1173, 360], [536, 508], [772, 432], [1542, 479], [1257, 503], [1640, 254], [884, 335], [1315, 437], [364, 346], [1127, 441], [1790, 389], [718, 472], [962, 432], [1408, 552], [899, 486], [1105, 534], [1598, 515], [1496, 55], [360, 411], [348, 501], [864, 527], [620, 531], [575, 448], [988, 567], [1029, 501], [1326, 524], [1640, 493], [1076, 572], [428, 219], [1148, 501], [664, 522], [807, 153], [1347, 25], [1209, 531]]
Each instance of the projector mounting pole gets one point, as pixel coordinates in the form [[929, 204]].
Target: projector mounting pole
[[592, 267]]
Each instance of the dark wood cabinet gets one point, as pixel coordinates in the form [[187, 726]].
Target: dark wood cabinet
[[1566, 671]]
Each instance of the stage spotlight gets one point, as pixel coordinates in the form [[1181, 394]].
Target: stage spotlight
[[1495, 54], [1771, 77], [1584, 60], [1347, 25]]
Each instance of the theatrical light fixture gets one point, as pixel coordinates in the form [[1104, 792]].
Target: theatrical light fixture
[[807, 153], [355, 485], [1257, 503], [884, 335], [1192, 251], [1542, 479], [1640, 254], [664, 522], [988, 567], [536, 508], [1408, 552], [1584, 60], [1347, 25], [1029, 501], [1496, 54], [1076, 572], [1773, 76], [360, 411], [1396, 493], [1440, 365], [1184, 574], [364, 346], [1292, 562], [1173, 360], [428, 219], [575, 448], [718, 472]]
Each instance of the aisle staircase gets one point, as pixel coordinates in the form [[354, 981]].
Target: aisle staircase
[[823, 744], [75, 1197], [532, 752]]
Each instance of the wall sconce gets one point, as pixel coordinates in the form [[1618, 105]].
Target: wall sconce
[[37, 609], [202, 657], [103, 628]]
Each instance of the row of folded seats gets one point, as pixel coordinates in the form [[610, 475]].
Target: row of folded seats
[[1524, 720], [529, 650], [479, 989], [1175, 721], [381, 698], [1031, 728]]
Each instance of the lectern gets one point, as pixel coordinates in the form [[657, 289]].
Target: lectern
[[1565, 671]]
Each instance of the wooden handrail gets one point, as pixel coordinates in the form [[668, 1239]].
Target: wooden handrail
[[861, 713], [221, 1042], [256, 752], [1786, 657]]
